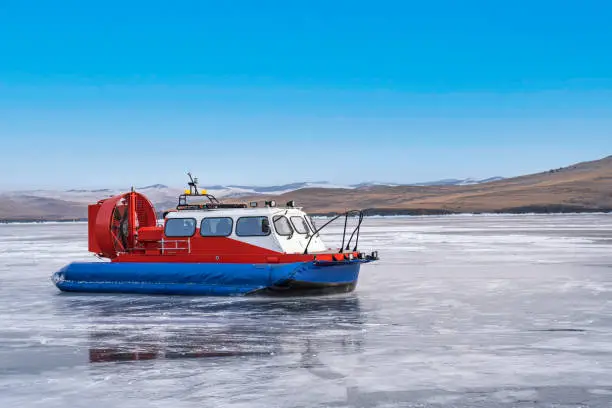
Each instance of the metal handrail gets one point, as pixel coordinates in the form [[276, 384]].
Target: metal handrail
[[176, 245], [356, 230]]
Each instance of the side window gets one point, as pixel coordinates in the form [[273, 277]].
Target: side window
[[216, 227], [282, 226], [252, 226], [299, 224], [312, 224], [180, 227]]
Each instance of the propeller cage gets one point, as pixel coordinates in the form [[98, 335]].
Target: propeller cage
[[113, 223]]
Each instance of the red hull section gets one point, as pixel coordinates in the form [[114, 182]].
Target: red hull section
[[199, 249]]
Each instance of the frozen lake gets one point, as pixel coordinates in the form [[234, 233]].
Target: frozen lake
[[461, 311]]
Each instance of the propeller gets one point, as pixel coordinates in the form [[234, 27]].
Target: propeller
[[117, 220]]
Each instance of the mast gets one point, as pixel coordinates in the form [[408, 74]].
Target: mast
[[193, 185]]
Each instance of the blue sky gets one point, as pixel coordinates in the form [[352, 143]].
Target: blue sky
[[244, 92]]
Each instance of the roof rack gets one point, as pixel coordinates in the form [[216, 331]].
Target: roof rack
[[193, 192]]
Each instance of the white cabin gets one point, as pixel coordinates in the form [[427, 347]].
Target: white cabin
[[280, 229]]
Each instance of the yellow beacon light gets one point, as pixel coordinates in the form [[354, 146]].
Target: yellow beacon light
[[187, 191], [203, 192]]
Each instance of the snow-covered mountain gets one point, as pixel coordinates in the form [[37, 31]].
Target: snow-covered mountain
[[459, 182], [156, 193], [374, 184], [162, 195], [239, 190], [443, 182]]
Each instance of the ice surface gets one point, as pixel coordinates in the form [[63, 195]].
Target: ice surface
[[490, 311]]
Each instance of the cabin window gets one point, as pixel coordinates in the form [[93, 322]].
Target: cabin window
[[216, 227], [180, 227], [282, 226], [300, 225], [312, 224], [252, 226]]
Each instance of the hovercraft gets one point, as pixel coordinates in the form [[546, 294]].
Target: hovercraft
[[205, 247]]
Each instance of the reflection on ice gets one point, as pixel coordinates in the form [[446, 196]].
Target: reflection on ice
[[190, 328]]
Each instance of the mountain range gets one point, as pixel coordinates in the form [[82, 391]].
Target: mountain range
[[69, 204], [585, 186], [581, 187]]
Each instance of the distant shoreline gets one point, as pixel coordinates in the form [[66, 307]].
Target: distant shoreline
[[390, 212], [527, 209], [40, 220]]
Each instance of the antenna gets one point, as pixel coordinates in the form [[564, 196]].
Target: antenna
[[193, 185]]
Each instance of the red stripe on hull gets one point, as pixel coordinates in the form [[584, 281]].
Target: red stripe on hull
[[219, 250]]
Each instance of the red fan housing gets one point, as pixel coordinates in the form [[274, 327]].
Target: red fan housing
[[114, 223]]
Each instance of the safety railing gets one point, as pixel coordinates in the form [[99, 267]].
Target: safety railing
[[175, 245], [355, 234]]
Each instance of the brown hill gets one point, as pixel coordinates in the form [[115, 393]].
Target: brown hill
[[584, 186], [32, 208]]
